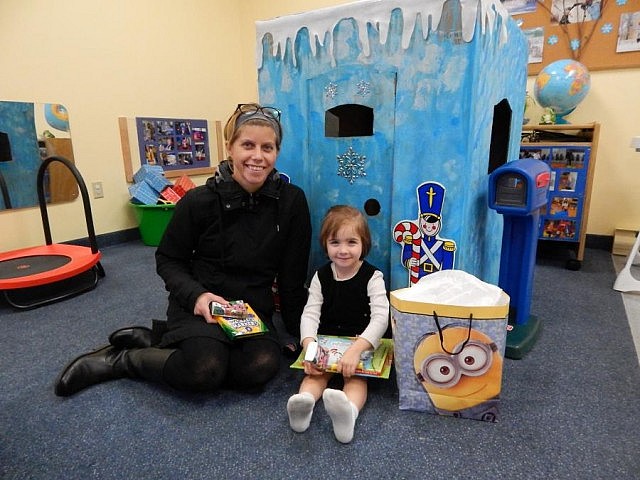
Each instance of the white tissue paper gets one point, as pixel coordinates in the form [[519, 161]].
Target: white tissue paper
[[453, 287]]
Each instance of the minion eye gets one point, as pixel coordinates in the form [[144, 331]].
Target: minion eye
[[440, 371], [475, 359]]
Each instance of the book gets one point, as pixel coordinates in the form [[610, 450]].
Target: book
[[327, 351], [245, 326]]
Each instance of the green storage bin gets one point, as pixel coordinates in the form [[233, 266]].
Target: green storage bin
[[152, 221]]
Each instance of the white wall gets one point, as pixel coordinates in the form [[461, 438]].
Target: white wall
[[196, 59]]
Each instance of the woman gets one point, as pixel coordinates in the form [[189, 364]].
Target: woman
[[227, 240]]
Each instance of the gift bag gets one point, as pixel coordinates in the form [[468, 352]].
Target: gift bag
[[450, 332]]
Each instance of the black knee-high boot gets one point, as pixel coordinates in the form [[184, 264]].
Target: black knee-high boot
[[109, 363], [137, 336]]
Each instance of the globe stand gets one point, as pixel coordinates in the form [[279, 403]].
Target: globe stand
[[560, 120]]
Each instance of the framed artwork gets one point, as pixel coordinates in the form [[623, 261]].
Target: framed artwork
[[173, 143], [180, 146]]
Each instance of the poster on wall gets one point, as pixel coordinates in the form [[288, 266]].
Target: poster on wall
[[173, 143], [629, 33], [565, 12], [520, 6], [535, 40]]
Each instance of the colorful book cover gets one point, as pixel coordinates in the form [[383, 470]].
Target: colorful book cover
[[331, 348], [242, 327], [235, 309]]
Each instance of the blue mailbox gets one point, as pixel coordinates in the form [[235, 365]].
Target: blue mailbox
[[518, 190]]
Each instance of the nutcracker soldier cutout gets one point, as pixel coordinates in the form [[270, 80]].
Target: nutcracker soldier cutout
[[423, 251]]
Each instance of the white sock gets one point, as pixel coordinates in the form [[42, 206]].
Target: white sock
[[343, 414], [300, 408]]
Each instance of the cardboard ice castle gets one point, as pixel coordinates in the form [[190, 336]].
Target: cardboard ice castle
[[383, 103]]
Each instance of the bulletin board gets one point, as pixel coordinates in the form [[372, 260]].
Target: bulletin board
[[180, 146], [559, 29]]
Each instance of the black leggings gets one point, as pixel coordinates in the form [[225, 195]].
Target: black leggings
[[203, 364]]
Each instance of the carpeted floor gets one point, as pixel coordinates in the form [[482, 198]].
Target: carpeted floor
[[569, 408]]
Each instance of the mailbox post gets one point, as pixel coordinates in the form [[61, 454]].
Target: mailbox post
[[518, 190]]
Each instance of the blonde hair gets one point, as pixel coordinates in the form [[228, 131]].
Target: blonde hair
[[232, 127], [340, 215]]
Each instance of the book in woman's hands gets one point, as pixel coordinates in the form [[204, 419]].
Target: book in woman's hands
[[238, 320], [328, 350]]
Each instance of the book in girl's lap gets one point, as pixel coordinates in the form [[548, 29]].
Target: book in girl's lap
[[347, 296]]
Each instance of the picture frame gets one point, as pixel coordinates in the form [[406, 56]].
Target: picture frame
[[181, 146]]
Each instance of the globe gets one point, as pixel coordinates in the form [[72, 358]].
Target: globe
[[561, 86]]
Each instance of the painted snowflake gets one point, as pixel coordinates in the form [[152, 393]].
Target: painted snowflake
[[552, 40], [606, 28], [575, 44], [331, 90], [363, 88], [351, 165]]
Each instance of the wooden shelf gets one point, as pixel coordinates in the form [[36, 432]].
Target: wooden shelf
[[583, 137]]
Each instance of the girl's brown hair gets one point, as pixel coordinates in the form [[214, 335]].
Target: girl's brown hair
[[339, 215]]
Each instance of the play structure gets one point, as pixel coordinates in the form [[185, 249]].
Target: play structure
[[387, 106], [35, 276]]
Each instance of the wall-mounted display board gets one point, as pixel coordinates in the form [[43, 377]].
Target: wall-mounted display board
[[180, 146], [570, 151], [601, 34]]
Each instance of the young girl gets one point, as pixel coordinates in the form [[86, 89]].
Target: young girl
[[347, 297]]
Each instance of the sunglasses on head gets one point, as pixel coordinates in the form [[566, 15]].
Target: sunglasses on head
[[249, 108]]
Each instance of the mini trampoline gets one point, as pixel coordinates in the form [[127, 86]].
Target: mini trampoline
[[35, 276]]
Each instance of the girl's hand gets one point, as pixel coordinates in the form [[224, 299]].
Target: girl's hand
[[351, 358], [311, 369], [349, 362], [202, 306]]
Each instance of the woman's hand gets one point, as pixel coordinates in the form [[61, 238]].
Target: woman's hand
[[202, 306]]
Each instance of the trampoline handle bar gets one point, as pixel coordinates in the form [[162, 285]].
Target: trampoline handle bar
[[93, 243]]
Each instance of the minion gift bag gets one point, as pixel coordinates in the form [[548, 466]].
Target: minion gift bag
[[450, 332]]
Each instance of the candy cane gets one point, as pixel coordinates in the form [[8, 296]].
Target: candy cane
[[399, 233]]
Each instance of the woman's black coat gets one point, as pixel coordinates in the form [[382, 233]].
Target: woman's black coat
[[227, 241]]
